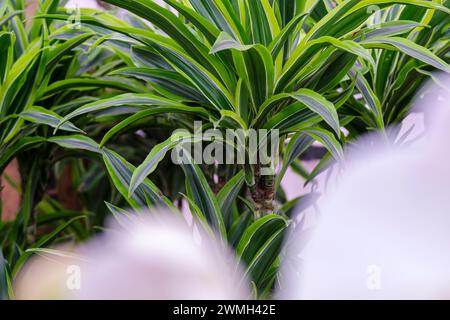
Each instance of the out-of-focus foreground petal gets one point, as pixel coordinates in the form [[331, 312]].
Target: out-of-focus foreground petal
[[149, 256], [383, 230]]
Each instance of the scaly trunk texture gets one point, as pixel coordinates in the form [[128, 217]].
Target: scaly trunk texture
[[263, 194]]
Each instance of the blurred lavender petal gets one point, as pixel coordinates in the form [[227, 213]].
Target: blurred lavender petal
[[384, 222]]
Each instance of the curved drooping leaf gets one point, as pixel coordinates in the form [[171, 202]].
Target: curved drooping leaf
[[261, 244], [350, 14], [370, 96], [168, 83], [139, 116], [155, 156], [318, 104], [8, 17], [127, 99], [120, 171], [44, 241], [254, 64], [76, 142], [228, 194], [201, 194], [209, 30], [303, 54], [278, 43], [78, 84], [410, 48], [389, 28], [14, 147], [327, 139], [312, 100], [62, 49], [297, 145], [221, 13], [5, 278], [208, 84], [171, 25], [41, 115], [230, 191]]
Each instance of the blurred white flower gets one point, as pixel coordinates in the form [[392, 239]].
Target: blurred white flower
[[384, 223], [151, 255]]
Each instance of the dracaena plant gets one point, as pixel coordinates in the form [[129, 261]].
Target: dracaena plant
[[256, 65], [30, 62], [394, 80], [294, 66], [121, 86]]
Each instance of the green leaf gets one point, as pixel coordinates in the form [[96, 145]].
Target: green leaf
[[22, 144], [327, 139], [168, 22], [370, 96], [229, 192], [5, 278], [303, 54], [118, 213], [350, 14], [318, 104], [224, 41], [43, 116], [155, 156], [79, 84], [126, 99], [7, 40], [205, 81], [120, 171], [60, 50], [297, 145], [15, 78], [222, 15], [294, 117], [390, 28], [410, 48], [200, 192], [168, 83], [261, 244], [263, 23], [254, 64], [9, 16], [238, 228], [138, 117], [278, 43], [209, 30], [305, 97]]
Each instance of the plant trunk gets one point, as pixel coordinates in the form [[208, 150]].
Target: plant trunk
[[263, 193]]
